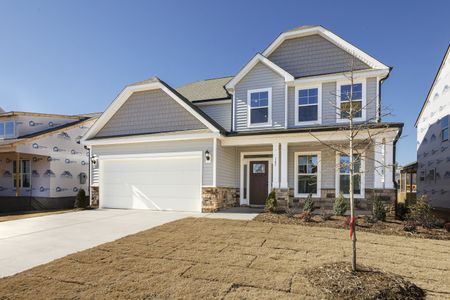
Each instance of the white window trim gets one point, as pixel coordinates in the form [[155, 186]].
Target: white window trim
[[338, 100], [249, 108], [6, 136], [246, 161], [319, 104], [319, 174], [362, 172]]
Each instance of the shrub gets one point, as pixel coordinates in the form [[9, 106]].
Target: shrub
[[340, 205], [306, 216], [378, 210], [447, 226], [271, 202], [409, 226], [309, 204], [421, 212], [81, 201], [401, 211]]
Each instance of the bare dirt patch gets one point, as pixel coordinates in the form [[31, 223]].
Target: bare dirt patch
[[389, 227], [228, 259]]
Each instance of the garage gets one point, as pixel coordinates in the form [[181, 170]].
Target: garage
[[152, 181]]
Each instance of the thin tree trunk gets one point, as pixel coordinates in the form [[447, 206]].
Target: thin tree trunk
[[351, 163]]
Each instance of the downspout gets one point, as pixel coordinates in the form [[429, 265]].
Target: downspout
[[380, 82], [397, 137], [89, 174]]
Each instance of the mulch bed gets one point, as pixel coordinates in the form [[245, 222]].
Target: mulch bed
[[338, 281], [389, 227]]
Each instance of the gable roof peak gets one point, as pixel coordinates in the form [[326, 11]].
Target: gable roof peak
[[308, 30], [303, 27], [258, 58], [152, 79]]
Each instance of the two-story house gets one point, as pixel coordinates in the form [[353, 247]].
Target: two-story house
[[433, 152], [229, 141], [42, 163]]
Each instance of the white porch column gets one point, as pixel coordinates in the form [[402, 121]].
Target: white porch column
[[284, 166], [380, 166], [276, 166], [389, 164]]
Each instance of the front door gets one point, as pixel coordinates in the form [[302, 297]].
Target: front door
[[259, 182]]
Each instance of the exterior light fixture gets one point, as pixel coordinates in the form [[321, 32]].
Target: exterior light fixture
[[94, 159], [207, 156]]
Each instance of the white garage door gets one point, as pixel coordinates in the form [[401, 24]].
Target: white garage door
[[157, 183]]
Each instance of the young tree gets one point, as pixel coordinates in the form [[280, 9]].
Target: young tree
[[360, 137]]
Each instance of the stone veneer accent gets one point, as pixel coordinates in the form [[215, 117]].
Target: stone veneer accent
[[388, 196], [217, 198], [282, 196], [94, 196]]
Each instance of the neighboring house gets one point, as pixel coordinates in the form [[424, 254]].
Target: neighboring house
[[42, 163], [433, 152], [407, 180], [229, 141]]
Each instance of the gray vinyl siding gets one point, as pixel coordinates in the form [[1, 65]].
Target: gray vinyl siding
[[313, 55], [329, 113], [371, 98], [221, 113], [150, 112], [227, 166], [328, 101], [260, 77], [163, 147]]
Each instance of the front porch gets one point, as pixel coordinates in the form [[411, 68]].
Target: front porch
[[297, 165]]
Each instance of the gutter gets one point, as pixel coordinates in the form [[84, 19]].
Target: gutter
[[310, 129]]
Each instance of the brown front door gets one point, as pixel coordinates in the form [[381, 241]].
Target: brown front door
[[259, 180]]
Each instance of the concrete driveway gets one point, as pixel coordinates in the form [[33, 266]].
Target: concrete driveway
[[30, 242]]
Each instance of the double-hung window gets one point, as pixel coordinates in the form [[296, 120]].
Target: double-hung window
[[7, 130], [343, 178], [353, 93], [308, 106], [259, 103], [307, 174], [444, 129], [24, 174]]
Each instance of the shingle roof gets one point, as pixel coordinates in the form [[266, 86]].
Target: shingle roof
[[206, 89]]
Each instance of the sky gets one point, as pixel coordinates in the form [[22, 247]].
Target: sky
[[74, 57]]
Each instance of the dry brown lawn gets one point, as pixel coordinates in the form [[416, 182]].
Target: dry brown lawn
[[226, 259]]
